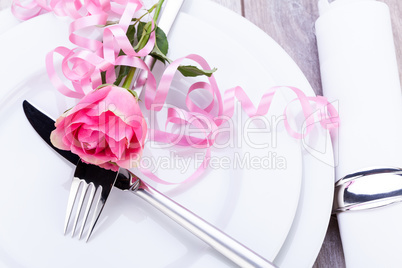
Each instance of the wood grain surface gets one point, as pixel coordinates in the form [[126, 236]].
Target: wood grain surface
[[291, 24]]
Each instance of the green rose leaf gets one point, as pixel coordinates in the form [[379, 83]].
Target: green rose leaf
[[140, 29], [193, 71], [161, 41], [159, 55], [131, 34]]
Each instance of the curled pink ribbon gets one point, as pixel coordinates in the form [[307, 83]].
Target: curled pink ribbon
[[83, 66]]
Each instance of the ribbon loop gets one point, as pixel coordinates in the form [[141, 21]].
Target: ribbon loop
[[94, 61]]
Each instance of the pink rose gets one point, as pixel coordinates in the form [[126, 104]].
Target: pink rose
[[106, 128]]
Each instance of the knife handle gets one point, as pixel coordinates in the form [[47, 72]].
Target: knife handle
[[226, 245]]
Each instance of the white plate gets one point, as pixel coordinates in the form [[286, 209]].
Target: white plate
[[243, 202], [180, 249], [7, 20]]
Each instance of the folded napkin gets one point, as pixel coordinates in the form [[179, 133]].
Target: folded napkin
[[360, 73]]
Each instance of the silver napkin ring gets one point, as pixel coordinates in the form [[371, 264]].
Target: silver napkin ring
[[367, 189]]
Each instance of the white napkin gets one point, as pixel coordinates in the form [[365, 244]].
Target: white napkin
[[359, 70]]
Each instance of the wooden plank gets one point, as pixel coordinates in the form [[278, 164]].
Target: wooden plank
[[331, 253], [395, 7], [291, 24]]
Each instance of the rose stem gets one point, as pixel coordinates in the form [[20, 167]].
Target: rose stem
[[129, 79]]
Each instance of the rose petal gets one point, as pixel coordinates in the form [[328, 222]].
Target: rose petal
[[105, 128]]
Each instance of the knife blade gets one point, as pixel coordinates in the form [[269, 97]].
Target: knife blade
[[226, 245], [44, 125]]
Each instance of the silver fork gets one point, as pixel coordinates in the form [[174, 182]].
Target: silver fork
[[127, 181], [92, 185], [91, 179]]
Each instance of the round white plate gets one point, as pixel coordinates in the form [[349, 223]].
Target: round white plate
[[261, 219]]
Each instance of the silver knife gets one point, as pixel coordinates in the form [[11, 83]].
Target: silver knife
[[226, 245], [126, 181]]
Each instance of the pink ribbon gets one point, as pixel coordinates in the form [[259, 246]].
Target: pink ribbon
[[83, 65], [29, 10]]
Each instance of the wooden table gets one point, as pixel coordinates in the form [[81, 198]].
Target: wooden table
[[291, 24]]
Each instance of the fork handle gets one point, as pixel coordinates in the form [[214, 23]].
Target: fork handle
[[226, 245]]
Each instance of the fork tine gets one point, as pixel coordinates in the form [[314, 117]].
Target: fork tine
[[101, 200], [71, 200], [79, 206], [93, 180], [87, 209]]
